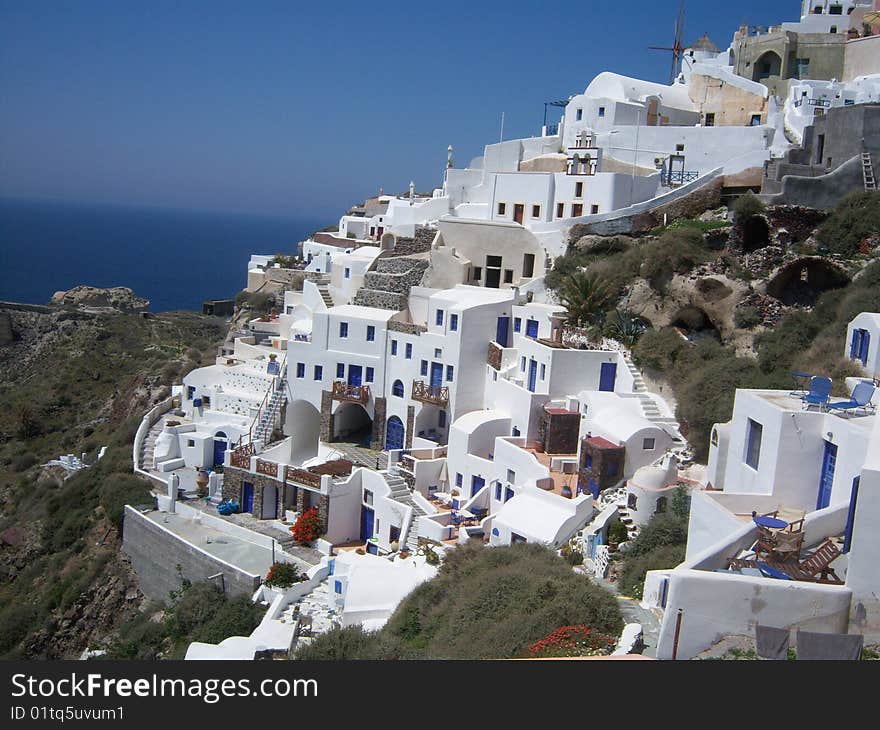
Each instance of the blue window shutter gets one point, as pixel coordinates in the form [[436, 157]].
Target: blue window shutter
[[409, 350], [343, 329], [498, 492], [340, 370], [508, 493], [850, 518], [337, 586], [369, 375], [517, 324], [300, 370], [319, 372], [532, 328], [424, 369], [453, 322], [439, 319], [371, 333], [450, 371], [543, 371], [458, 480], [393, 347]]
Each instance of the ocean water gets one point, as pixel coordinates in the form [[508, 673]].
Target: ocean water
[[176, 259]]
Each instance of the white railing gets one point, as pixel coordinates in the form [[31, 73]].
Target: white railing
[[150, 418], [601, 561]]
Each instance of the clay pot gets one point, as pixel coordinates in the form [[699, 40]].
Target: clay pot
[[202, 483]]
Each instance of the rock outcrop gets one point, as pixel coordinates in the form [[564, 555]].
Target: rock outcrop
[[117, 297]]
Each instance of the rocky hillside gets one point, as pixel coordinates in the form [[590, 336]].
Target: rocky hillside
[[74, 377], [730, 298]]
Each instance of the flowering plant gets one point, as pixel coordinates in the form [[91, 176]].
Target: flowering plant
[[570, 641], [283, 575], [307, 526]]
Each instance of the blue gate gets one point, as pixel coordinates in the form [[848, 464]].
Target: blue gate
[[533, 374], [436, 374], [394, 434], [477, 483], [219, 451], [501, 331], [829, 461], [366, 523], [247, 497], [608, 376]]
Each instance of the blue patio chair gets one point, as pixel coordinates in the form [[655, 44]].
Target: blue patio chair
[[820, 392], [860, 398]]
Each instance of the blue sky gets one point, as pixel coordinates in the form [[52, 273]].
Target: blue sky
[[300, 108]]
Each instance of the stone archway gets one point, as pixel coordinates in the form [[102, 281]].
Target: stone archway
[[766, 65], [695, 323], [352, 423], [800, 282]]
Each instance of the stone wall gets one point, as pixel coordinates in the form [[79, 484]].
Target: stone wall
[[406, 327], [410, 425], [560, 432], [380, 299], [326, 433], [378, 437], [156, 554], [598, 469]]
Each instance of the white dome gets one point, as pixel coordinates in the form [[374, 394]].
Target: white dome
[[657, 476]]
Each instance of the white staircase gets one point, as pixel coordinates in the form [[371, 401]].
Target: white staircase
[[647, 400], [325, 295], [278, 398], [400, 492]]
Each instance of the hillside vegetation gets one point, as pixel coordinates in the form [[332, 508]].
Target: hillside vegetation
[[73, 381], [484, 603], [729, 330]]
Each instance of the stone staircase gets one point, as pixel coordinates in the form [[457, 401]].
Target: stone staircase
[[387, 284], [650, 409], [145, 457], [324, 291], [400, 492], [626, 518], [868, 173]]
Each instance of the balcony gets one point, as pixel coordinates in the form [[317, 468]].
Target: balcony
[[301, 476], [267, 468], [434, 396], [342, 391]]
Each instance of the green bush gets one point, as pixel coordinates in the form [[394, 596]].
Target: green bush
[[747, 317], [617, 532], [119, 490], [854, 219], [575, 557], [659, 349], [632, 578], [484, 603], [677, 251], [352, 642], [21, 462], [747, 206], [16, 621]]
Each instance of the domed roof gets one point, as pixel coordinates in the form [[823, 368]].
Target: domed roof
[[657, 476], [705, 43]]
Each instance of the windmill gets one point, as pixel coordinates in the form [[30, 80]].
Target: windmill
[[677, 47]]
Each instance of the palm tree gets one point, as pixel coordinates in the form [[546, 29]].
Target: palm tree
[[584, 296]]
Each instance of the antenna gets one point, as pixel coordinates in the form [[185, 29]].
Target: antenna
[[677, 47]]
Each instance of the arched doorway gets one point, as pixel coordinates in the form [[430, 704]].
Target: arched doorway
[[756, 234], [768, 64], [221, 443], [394, 433], [695, 324], [352, 423], [800, 282]]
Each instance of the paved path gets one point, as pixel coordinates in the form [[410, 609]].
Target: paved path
[[634, 613]]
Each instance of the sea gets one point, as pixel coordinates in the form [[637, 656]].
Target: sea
[[175, 258]]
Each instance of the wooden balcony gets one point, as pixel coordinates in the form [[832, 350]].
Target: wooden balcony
[[342, 391], [241, 456], [424, 393]]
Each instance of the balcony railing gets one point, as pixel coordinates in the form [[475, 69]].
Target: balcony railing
[[678, 177], [301, 476], [342, 391], [268, 468], [435, 396], [241, 456]]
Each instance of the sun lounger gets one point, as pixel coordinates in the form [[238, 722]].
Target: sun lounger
[[861, 398], [820, 392]]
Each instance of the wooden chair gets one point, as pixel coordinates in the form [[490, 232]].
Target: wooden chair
[[817, 567]]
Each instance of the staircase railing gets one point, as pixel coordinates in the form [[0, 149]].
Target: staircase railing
[[281, 377]]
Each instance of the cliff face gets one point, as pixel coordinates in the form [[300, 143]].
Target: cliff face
[[75, 377]]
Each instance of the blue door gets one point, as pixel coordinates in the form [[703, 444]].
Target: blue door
[[219, 451], [608, 376], [532, 328], [477, 483], [829, 461], [533, 374], [854, 345], [355, 373], [850, 518], [502, 330], [366, 523], [247, 497], [594, 488], [394, 434], [436, 374], [863, 346]]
